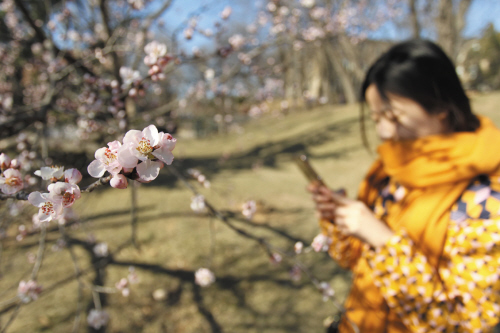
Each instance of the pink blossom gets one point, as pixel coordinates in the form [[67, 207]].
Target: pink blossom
[[307, 3], [236, 41], [188, 33], [249, 209], [28, 291], [53, 173], [101, 250], [276, 258], [119, 181], [204, 277], [4, 161], [15, 164], [154, 51], [136, 4], [72, 176], [146, 146], [11, 181], [298, 247], [106, 160], [132, 277], [97, 318], [226, 12], [321, 243], [64, 193], [198, 203], [48, 210], [122, 286], [128, 76], [326, 290]]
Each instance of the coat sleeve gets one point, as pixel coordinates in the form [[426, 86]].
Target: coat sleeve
[[463, 297], [346, 250]]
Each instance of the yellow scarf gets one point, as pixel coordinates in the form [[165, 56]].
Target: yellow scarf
[[435, 171]]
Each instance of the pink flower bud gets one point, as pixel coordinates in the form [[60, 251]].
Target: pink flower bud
[[132, 92], [118, 181], [14, 164], [72, 176], [127, 170], [4, 161]]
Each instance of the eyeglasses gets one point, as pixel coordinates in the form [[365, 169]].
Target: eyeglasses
[[387, 113]]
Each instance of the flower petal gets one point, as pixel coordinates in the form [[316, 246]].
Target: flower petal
[[96, 168], [114, 145], [126, 156], [36, 199], [149, 170], [151, 133], [132, 136], [164, 155]]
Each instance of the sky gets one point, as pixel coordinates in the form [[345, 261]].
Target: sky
[[481, 13]]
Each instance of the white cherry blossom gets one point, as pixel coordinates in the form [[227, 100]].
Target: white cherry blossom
[[53, 173], [64, 193], [48, 210], [154, 51], [28, 291], [198, 203], [321, 243], [119, 181], [204, 277], [4, 161], [226, 12], [72, 176], [249, 209], [97, 318], [236, 41], [106, 160], [147, 146], [101, 250], [11, 181], [128, 76], [307, 3]]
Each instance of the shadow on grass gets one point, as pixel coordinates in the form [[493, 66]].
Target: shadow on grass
[[266, 154], [231, 283]]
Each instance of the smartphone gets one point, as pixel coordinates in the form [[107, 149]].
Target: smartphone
[[307, 169]]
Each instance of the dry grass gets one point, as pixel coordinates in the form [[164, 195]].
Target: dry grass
[[250, 294]]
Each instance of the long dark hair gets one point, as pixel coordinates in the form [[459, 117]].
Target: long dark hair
[[421, 71]]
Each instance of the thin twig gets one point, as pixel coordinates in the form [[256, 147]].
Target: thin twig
[[12, 317], [41, 249], [79, 306], [21, 195]]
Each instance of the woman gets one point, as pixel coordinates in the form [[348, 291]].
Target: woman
[[423, 238]]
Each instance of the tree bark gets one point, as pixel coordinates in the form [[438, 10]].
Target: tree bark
[[415, 25], [345, 81]]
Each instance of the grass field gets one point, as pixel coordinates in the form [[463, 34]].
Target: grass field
[[250, 294]]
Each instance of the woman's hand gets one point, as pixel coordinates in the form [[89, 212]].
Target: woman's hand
[[352, 217]]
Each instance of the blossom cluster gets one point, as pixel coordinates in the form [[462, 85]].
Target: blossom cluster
[[28, 291], [144, 151], [97, 318], [248, 209], [124, 284], [63, 192], [156, 58], [201, 178], [11, 180]]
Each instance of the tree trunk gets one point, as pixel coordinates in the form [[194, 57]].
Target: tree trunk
[[345, 81], [415, 25]]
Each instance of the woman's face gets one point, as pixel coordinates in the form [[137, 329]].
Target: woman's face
[[401, 118]]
